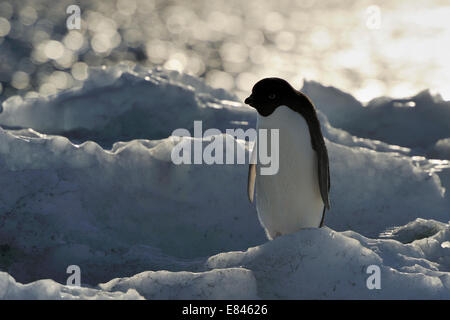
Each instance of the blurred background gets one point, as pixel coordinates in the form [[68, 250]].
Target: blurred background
[[367, 48]]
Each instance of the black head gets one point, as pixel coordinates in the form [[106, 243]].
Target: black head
[[268, 94]]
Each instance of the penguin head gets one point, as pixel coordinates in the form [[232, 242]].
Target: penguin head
[[268, 94]]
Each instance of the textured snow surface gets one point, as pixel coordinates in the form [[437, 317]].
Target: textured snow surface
[[87, 179], [230, 283], [322, 263], [416, 122], [120, 104], [49, 289]]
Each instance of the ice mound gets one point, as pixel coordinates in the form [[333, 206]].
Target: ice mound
[[125, 103], [415, 230], [283, 268], [230, 284], [441, 149], [374, 190], [64, 202], [51, 290], [417, 122]]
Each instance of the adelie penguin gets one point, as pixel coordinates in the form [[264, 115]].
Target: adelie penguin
[[297, 196]]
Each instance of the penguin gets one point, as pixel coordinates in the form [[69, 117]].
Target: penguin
[[296, 197]]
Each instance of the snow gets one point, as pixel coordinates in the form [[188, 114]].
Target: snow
[[375, 190], [339, 261], [229, 284], [153, 105], [49, 289], [87, 179], [441, 149], [416, 122]]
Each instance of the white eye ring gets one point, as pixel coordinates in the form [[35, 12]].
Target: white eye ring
[[272, 96]]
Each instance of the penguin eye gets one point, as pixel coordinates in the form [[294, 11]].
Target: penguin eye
[[272, 96]]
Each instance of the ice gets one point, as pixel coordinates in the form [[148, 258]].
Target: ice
[[342, 137], [154, 103], [415, 230], [339, 261], [374, 190], [125, 103], [230, 284], [87, 179], [309, 264], [51, 290], [66, 201], [418, 122], [441, 149]]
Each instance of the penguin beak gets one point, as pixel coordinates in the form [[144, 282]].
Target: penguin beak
[[249, 101]]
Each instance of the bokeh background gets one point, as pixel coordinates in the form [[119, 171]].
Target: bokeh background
[[367, 48]]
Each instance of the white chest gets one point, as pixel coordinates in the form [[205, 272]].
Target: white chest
[[289, 200], [293, 128]]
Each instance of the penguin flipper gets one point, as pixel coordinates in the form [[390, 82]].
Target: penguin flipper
[[324, 174], [251, 181], [252, 175]]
